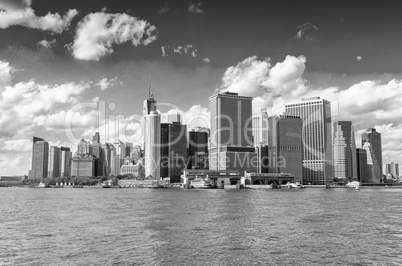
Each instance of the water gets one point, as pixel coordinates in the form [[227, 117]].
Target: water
[[93, 226]]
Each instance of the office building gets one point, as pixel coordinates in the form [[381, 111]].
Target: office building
[[152, 135], [198, 148], [108, 158], [40, 158], [66, 161], [129, 148], [316, 138], [373, 168], [344, 152], [83, 161], [285, 146], [54, 162], [231, 140], [174, 116], [392, 169], [371, 135], [260, 129], [173, 150], [361, 161]]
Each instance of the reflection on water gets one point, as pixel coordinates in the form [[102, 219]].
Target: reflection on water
[[199, 227]]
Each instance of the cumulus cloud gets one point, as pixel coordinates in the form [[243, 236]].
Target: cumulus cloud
[[97, 32], [47, 44], [195, 7], [5, 73], [257, 78], [188, 49], [17, 145], [106, 83], [306, 31], [20, 13]]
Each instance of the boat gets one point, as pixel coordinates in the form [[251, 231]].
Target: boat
[[43, 185], [295, 185]]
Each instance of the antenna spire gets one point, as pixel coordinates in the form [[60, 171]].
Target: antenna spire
[[149, 86]]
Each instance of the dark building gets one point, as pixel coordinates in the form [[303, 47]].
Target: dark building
[[231, 139], [99, 154], [285, 145], [40, 157], [361, 159], [173, 150], [198, 149], [373, 137]]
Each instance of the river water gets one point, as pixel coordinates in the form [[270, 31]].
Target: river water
[[94, 226]]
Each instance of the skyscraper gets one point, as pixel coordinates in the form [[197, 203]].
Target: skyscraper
[[120, 153], [373, 168], [66, 161], [392, 169], [83, 160], [361, 158], [198, 148], [316, 136], [285, 145], [152, 139], [260, 128], [344, 151], [173, 151], [40, 157], [108, 158], [372, 136], [231, 140], [54, 162]]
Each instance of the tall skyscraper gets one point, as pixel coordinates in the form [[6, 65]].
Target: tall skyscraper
[[66, 161], [392, 169], [231, 140], [373, 168], [54, 162], [260, 128], [285, 145], [344, 151], [198, 148], [372, 136], [120, 153], [173, 150], [316, 136], [361, 158], [108, 158], [40, 157]]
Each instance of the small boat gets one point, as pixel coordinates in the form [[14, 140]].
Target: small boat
[[43, 185]]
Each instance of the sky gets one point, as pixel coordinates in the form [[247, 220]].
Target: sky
[[71, 68]]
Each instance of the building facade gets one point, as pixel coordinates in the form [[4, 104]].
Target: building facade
[[54, 161], [66, 162], [392, 169], [361, 159], [40, 158], [285, 149], [231, 140], [373, 168], [371, 135], [83, 160], [198, 149], [316, 137], [344, 151]]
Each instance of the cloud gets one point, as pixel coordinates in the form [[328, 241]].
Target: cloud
[[195, 7], [106, 83], [20, 13], [5, 73], [164, 9], [206, 60], [188, 49], [359, 58], [306, 31], [97, 32], [17, 145], [47, 44]]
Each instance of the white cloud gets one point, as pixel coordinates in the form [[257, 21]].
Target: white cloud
[[17, 145], [188, 49], [24, 15], [206, 60], [306, 31], [106, 83], [195, 7], [97, 32], [47, 44], [6, 72]]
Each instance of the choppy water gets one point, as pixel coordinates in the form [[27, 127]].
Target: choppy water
[[92, 226]]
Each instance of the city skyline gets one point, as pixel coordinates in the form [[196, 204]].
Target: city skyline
[[41, 78]]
